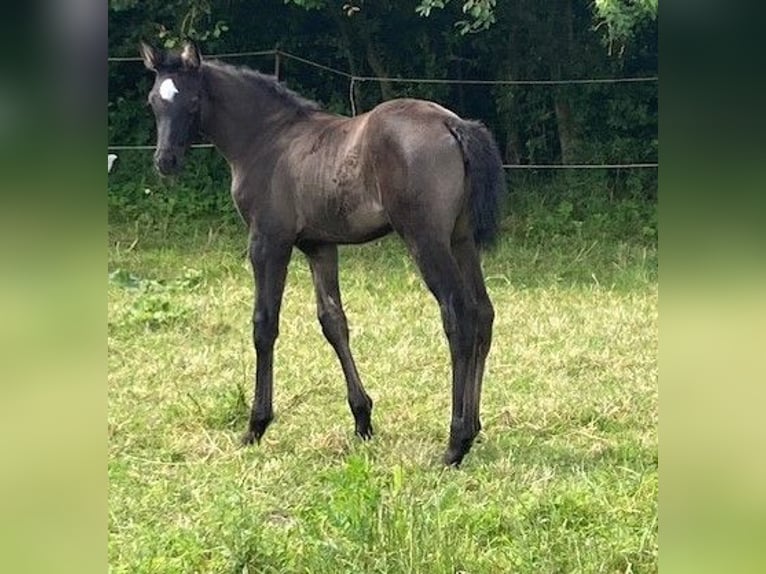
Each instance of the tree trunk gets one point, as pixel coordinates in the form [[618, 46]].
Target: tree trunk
[[512, 139], [567, 130], [512, 144], [342, 24], [386, 92]]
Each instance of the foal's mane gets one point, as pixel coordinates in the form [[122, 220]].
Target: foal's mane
[[266, 82]]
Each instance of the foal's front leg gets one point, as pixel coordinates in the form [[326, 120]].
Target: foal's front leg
[[324, 271], [269, 258]]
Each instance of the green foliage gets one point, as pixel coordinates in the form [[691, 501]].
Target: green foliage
[[622, 18], [309, 4], [191, 19], [201, 191], [583, 208], [480, 12]]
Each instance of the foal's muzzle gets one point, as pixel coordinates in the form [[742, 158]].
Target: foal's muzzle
[[168, 162]]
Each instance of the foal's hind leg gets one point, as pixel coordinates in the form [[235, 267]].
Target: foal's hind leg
[[324, 270], [459, 317], [468, 259]]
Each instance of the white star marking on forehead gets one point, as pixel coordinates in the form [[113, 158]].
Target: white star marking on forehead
[[168, 90]]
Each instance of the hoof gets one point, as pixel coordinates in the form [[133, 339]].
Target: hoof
[[456, 451], [364, 431], [363, 420], [255, 432], [453, 457], [248, 438]]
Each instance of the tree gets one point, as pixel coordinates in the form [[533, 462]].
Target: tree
[[509, 40]]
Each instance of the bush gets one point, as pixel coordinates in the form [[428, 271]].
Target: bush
[[541, 207], [137, 193]]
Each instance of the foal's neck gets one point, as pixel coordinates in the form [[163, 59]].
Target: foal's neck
[[242, 112]]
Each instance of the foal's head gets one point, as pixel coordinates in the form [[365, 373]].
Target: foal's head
[[176, 99]]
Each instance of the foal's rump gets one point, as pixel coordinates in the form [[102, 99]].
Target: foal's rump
[[431, 165]]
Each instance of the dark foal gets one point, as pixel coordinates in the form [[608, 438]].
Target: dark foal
[[307, 178]]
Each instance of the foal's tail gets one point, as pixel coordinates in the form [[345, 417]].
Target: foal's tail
[[484, 168]]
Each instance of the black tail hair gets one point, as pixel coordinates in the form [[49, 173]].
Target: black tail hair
[[484, 168]]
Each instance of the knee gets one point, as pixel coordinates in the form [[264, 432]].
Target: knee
[[265, 330]]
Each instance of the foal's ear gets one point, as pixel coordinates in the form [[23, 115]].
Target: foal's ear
[[190, 55], [152, 56]]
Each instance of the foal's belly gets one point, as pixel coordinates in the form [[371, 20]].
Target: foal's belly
[[345, 218]]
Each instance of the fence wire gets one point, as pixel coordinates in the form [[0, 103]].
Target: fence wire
[[354, 78]]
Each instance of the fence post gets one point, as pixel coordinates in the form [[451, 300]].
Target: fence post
[[276, 63]]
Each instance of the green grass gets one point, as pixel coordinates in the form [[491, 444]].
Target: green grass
[[563, 478]]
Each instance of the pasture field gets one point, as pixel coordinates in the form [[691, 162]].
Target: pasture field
[[564, 475]]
